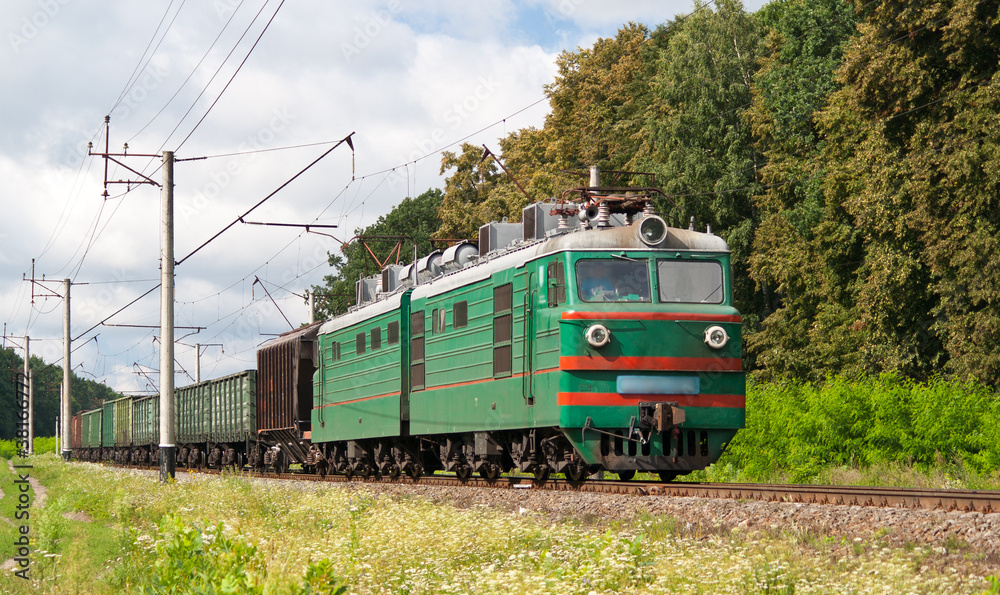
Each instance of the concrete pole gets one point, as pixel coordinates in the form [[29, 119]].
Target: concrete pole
[[27, 378], [67, 397], [168, 461], [57, 423], [197, 362], [312, 307]]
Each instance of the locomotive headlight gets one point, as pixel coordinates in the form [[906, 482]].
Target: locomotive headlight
[[598, 335], [716, 337], [652, 230]]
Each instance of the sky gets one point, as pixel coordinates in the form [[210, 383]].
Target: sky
[[247, 93]]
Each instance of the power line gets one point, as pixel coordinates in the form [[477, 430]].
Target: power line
[[193, 71], [346, 139], [139, 66], [245, 58]]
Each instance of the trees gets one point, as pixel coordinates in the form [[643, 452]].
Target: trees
[[695, 138], [806, 251], [87, 395], [847, 152]]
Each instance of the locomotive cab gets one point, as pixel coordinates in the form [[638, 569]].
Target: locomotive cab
[[649, 356]]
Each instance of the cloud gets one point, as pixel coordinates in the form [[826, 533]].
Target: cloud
[[407, 78]]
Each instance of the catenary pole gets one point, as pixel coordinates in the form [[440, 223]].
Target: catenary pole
[[168, 461], [31, 415], [27, 377], [67, 396]]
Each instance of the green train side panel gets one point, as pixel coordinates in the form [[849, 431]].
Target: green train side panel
[[91, 429], [218, 410], [360, 396], [234, 404], [146, 421], [123, 422], [108, 424], [192, 406], [461, 393]]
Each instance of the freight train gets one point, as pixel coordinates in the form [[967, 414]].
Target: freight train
[[591, 336]]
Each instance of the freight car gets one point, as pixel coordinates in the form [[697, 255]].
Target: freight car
[[216, 421]]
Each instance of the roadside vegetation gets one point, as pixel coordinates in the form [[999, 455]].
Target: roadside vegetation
[[876, 431], [115, 531]]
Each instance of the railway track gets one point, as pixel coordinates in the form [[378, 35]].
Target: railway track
[[982, 501]]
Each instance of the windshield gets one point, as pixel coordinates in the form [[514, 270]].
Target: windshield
[[608, 280], [690, 281]]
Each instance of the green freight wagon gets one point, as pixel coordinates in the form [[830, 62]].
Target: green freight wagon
[[123, 429], [90, 440], [146, 430], [216, 420], [108, 431]]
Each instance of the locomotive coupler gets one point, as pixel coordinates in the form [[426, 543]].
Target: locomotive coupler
[[660, 416]]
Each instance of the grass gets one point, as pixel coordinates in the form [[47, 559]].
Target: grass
[[226, 534]]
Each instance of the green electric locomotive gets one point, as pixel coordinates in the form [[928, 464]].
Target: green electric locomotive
[[589, 337]]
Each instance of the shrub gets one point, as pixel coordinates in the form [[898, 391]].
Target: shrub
[[800, 428], [192, 560]]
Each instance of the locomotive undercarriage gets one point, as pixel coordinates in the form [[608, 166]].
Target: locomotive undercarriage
[[540, 452], [212, 455]]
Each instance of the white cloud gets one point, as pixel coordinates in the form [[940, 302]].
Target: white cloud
[[406, 77]]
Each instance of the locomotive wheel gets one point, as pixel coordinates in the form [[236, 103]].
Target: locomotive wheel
[[391, 471], [576, 472], [489, 471], [542, 473], [414, 471], [463, 472], [667, 476], [626, 475]]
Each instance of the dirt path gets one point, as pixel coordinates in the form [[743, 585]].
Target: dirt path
[[41, 493]]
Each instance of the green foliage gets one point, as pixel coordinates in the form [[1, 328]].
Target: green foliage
[[192, 560], [8, 449], [994, 588], [44, 444], [882, 220], [800, 429], [321, 579], [469, 200]]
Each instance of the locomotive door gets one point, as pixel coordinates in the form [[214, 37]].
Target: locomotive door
[[531, 291]]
